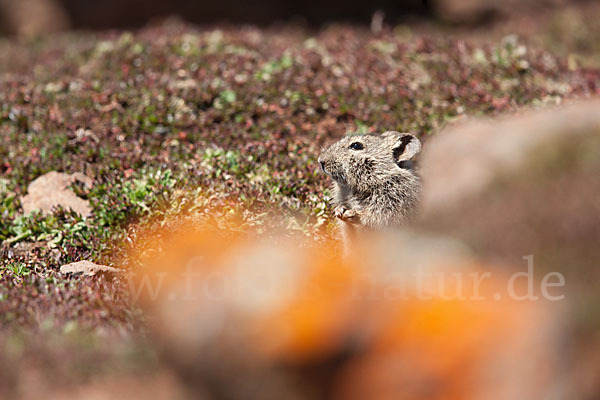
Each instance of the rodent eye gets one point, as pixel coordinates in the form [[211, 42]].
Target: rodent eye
[[357, 146]]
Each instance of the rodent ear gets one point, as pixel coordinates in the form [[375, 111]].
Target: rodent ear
[[405, 147]]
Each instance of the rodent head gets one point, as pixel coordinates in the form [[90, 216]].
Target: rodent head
[[361, 161]]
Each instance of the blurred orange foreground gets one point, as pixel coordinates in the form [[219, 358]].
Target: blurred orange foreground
[[350, 328]]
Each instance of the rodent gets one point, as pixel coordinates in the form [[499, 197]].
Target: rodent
[[375, 184]]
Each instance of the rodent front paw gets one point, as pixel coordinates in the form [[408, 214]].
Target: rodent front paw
[[346, 214]]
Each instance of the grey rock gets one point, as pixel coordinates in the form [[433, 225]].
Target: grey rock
[[463, 160]]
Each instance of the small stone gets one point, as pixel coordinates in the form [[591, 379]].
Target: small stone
[[87, 268], [51, 190]]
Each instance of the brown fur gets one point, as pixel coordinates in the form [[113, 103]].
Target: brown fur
[[374, 185]]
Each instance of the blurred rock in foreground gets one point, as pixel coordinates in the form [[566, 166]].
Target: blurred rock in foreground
[[403, 318], [527, 185], [518, 185]]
